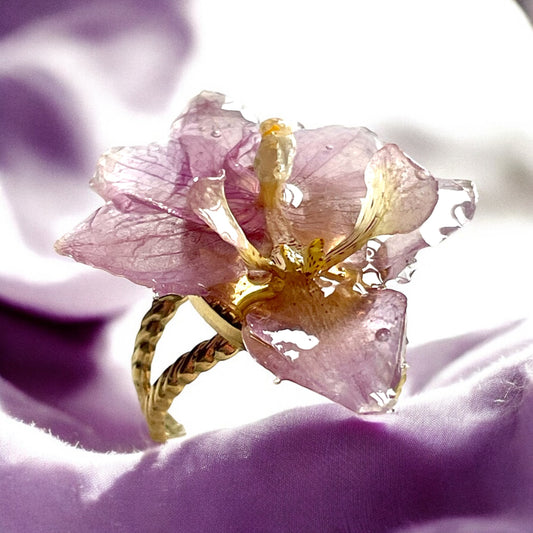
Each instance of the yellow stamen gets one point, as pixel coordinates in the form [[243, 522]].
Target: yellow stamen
[[314, 257], [270, 126]]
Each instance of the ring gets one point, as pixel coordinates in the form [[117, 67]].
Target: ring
[[289, 243], [156, 399]]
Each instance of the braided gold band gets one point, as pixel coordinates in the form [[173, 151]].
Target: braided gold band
[[156, 399]]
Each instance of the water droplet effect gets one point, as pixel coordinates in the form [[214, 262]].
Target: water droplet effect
[[406, 274], [383, 398], [456, 206], [152, 153], [216, 133], [329, 147], [277, 381], [292, 195], [383, 334], [463, 213], [290, 342], [327, 286], [372, 277], [259, 277], [360, 288]]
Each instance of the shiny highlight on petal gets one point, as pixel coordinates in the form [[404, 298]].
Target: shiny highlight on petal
[[208, 201]]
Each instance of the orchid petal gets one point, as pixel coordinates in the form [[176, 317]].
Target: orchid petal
[[158, 177], [208, 201], [241, 188], [388, 258], [144, 178], [394, 256], [206, 132], [345, 346], [401, 196], [327, 181], [166, 253], [400, 191]]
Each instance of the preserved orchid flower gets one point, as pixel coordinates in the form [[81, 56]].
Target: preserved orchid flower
[[291, 237]]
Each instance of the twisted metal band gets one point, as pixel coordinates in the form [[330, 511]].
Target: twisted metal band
[[156, 399]]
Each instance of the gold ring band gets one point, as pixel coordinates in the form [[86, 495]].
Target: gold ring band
[[156, 399]]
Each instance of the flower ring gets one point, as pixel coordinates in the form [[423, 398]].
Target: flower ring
[[285, 242]]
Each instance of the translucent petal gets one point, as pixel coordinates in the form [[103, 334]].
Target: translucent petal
[[394, 256], [328, 181], [206, 133], [401, 196], [241, 187], [345, 346], [157, 250], [143, 178], [208, 201], [385, 258]]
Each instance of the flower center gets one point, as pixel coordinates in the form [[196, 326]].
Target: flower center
[[400, 196], [295, 264]]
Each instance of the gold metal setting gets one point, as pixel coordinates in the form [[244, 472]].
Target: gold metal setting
[[156, 399]]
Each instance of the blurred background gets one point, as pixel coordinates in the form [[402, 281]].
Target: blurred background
[[449, 82]]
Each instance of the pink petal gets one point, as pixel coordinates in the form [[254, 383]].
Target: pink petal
[[144, 178], [405, 193], [344, 346], [166, 253], [394, 255], [208, 200], [205, 141], [329, 172], [390, 257], [401, 196], [241, 187], [206, 133]]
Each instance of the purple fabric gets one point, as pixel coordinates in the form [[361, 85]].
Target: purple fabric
[[456, 456], [58, 57], [59, 376]]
